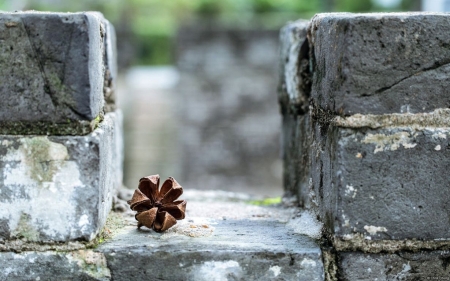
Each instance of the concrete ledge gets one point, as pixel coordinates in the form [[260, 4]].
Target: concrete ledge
[[58, 188], [222, 238]]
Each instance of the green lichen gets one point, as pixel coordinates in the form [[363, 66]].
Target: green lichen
[[25, 230], [114, 222], [265, 202], [43, 157], [68, 127], [92, 263]]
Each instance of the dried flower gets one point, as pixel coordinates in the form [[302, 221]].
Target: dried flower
[[156, 208]]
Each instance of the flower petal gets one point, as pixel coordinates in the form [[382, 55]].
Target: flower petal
[[149, 186], [177, 209], [147, 218], [164, 221], [138, 199]]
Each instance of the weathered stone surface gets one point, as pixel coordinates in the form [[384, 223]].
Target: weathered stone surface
[[401, 266], [380, 63], [52, 67], [58, 188], [232, 240], [78, 265], [110, 64], [296, 152], [295, 77], [389, 183], [229, 241], [230, 124]]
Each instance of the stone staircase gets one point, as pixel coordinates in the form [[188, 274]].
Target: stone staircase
[[365, 148]]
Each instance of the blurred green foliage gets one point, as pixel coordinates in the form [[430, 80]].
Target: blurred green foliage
[[146, 28]]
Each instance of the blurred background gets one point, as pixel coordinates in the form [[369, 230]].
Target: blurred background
[[198, 82]]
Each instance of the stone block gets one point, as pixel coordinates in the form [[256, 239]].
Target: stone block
[[380, 63], [58, 188], [389, 183], [231, 241], [78, 265], [422, 265], [296, 152], [294, 88], [52, 68]]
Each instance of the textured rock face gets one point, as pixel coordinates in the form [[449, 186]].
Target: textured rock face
[[386, 184], [296, 152], [374, 140], [295, 81], [230, 126], [78, 265], [401, 266], [56, 59], [58, 188], [380, 63]]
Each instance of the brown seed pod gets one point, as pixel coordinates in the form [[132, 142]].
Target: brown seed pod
[[156, 208]]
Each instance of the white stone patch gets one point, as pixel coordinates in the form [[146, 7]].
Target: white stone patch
[[217, 271], [350, 191], [41, 170], [439, 135], [192, 227], [374, 229], [347, 237], [83, 222], [308, 263], [437, 148], [346, 221], [402, 275], [306, 224], [390, 142], [405, 108], [276, 270]]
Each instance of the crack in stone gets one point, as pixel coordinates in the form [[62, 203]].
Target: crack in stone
[[47, 85], [436, 65]]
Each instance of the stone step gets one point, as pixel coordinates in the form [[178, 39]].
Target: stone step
[[220, 239]]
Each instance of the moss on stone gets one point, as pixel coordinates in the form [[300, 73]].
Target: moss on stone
[[70, 127], [114, 222], [43, 157], [265, 202], [25, 230]]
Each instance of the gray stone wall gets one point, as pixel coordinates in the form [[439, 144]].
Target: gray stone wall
[[61, 137], [373, 140], [229, 131]]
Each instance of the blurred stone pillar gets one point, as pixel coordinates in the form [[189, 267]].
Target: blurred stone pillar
[[230, 124]]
